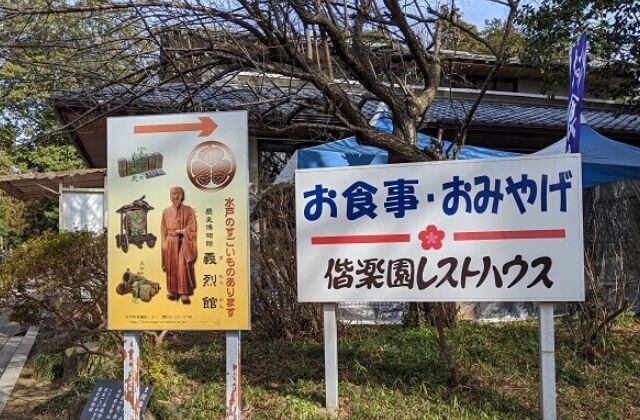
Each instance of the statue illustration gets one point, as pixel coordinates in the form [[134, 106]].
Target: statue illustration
[[178, 235]]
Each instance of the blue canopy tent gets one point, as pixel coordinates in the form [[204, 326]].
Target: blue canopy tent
[[348, 152], [603, 160]]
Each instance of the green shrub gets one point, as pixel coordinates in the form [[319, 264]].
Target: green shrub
[[47, 366], [59, 282]]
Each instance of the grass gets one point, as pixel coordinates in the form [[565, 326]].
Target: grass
[[47, 366], [394, 372]]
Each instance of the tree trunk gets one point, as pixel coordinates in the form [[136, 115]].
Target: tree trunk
[[445, 351]]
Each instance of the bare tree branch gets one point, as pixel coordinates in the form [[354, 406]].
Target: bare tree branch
[[305, 63]]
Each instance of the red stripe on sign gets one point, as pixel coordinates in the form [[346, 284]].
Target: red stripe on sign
[[360, 239], [509, 234]]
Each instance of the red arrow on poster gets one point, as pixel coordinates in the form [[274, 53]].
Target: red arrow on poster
[[206, 126]]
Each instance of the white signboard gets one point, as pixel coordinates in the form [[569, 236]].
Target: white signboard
[[507, 229], [83, 210]]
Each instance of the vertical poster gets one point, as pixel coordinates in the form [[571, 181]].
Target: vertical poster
[[178, 238]]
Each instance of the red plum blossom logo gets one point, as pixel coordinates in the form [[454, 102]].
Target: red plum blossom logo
[[431, 237]]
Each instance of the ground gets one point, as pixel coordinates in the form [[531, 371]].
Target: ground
[[385, 372]]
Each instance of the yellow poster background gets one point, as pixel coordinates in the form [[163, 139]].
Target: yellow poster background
[[222, 303]]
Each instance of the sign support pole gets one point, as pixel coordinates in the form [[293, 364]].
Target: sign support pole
[[131, 375], [330, 356], [547, 361], [234, 410], [60, 211]]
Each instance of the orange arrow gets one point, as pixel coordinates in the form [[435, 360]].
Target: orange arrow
[[206, 126]]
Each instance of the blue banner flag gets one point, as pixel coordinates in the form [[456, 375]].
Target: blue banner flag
[[577, 74]]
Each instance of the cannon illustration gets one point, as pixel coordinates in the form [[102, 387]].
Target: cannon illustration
[[138, 286]]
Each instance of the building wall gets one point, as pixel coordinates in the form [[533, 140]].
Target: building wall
[[529, 86]]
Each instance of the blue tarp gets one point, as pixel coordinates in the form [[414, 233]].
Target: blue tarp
[[348, 152], [603, 160]]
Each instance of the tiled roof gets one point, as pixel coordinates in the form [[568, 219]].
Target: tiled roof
[[496, 114], [266, 102], [39, 184]]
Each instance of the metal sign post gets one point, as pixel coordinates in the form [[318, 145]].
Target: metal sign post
[[131, 375], [234, 409], [330, 356], [547, 363]]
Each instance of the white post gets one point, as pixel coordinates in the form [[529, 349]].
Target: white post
[[131, 375], [547, 362], [234, 410], [330, 356], [60, 208]]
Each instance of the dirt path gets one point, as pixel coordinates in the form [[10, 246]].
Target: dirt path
[[27, 395]]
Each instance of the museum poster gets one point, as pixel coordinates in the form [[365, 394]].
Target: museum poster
[[177, 199]]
